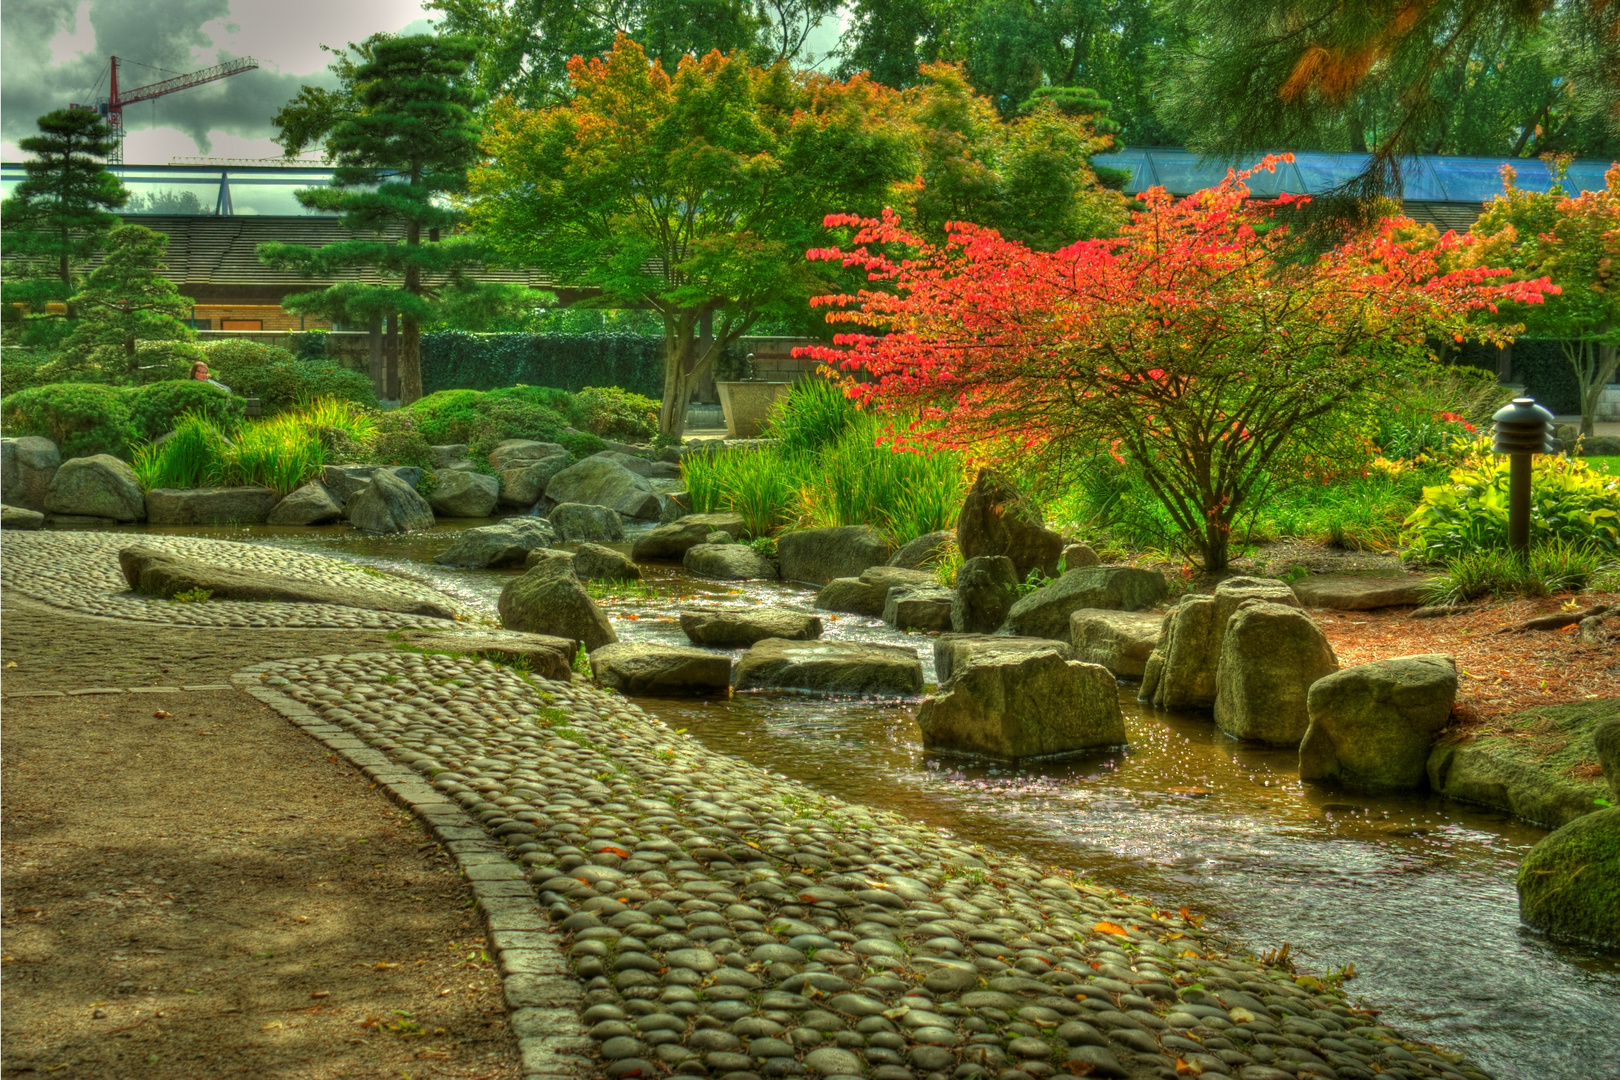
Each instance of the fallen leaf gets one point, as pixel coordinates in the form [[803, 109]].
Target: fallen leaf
[[319, 993], [273, 1025], [383, 965], [1109, 928], [1240, 1015], [161, 715]]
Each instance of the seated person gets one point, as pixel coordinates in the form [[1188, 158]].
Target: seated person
[[199, 371]]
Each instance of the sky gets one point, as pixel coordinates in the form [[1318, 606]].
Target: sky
[[54, 52]]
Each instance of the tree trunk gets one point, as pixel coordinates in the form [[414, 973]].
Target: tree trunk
[[410, 359], [1217, 546], [1607, 359]]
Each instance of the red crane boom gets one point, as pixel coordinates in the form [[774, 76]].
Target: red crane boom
[[112, 107]]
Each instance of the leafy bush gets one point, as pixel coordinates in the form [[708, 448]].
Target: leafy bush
[[482, 419], [615, 413], [80, 418], [399, 441], [580, 444], [1434, 409], [514, 419], [155, 409], [454, 359], [22, 369], [279, 380], [1559, 566], [1569, 502], [281, 452]]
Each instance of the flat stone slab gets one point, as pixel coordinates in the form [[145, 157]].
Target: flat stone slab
[[648, 670], [740, 629], [830, 667], [547, 656], [1360, 592], [210, 506], [1120, 641], [953, 651]]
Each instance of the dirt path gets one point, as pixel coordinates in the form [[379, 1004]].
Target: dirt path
[[210, 893]]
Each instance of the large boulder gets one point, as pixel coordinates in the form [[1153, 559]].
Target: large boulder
[[953, 652], [1120, 641], [451, 456], [740, 629], [1180, 673], [210, 506], [728, 562], [653, 470], [1234, 591], [1270, 656], [919, 607], [1606, 741], [819, 555], [18, 517], [642, 669], [1360, 592], [922, 552], [1045, 612], [548, 599], [517, 453], [830, 667], [1031, 706], [506, 543], [1079, 556], [581, 522], [154, 572], [345, 481], [27, 465], [996, 519], [867, 594], [668, 543], [1372, 725], [1569, 883], [460, 493], [311, 504], [99, 486], [593, 562], [525, 482], [388, 505], [601, 482], [546, 656], [986, 590]]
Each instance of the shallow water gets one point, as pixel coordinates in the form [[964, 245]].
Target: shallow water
[[1415, 892]]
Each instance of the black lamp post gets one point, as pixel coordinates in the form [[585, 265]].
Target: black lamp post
[[1523, 429]]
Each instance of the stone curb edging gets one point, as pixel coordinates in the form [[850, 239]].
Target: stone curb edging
[[543, 998], [87, 690]]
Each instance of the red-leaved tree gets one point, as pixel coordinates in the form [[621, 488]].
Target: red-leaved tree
[[1198, 345]]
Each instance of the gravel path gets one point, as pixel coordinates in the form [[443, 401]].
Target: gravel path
[[79, 571], [723, 922]]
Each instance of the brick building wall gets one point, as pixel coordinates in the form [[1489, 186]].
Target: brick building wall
[[206, 316]]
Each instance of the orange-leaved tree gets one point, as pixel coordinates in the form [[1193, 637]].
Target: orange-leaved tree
[[1200, 345]]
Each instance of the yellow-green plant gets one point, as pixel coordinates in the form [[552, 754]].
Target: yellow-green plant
[[190, 457]]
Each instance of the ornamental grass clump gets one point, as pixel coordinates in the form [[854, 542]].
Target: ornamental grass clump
[[282, 454], [190, 457], [1552, 567]]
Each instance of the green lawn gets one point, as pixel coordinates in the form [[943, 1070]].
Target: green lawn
[[1609, 464]]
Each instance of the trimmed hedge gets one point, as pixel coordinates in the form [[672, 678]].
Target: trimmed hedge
[[155, 408], [279, 380], [1546, 374], [456, 360], [80, 418]]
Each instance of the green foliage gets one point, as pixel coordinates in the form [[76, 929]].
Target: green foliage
[[192, 596], [280, 381], [614, 413], [484, 419], [59, 214], [759, 483], [399, 441], [813, 415], [193, 456], [22, 368], [1433, 408], [126, 300], [581, 444], [281, 452], [80, 418], [1553, 567], [457, 360], [155, 408]]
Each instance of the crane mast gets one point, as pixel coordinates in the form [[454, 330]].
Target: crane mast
[[112, 106]]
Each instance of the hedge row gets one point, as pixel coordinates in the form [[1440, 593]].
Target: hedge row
[[453, 360]]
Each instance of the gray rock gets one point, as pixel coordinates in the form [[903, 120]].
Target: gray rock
[[1180, 674], [923, 552], [18, 517], [388, 505], [1079, 556], [830, 667], [986, 590], [1360, 592], [1606, 741], [506, 543], [449, 456], [728, 562], [674, 506], [1534, 779], [996, 519], [1045, 612], [854, 596], [525, 481], [653, 470], [546, 656], [460, 493], [311, 504], [602, 482], [740, 629], [641, 669], [548, 599], [1035, 705], [27, 466], [518, 453], [1120, 641], [210, 506], [820, 555], [1232, 592], [153, 572], [1372, 725], [583, 522], [1569, 883], [593, 562], [344, 481], [547, 555], [668, 543], [919, 607], [98, 486], [1270, 656], [953, 652]]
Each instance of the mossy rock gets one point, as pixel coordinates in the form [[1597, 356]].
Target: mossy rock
[[1545, 771], [1569, 884]]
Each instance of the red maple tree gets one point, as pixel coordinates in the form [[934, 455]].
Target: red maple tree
[[1197, 346]]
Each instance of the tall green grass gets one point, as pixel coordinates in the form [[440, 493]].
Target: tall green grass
[[281, 453], [190, 457], [813, 416], [1553, 567]]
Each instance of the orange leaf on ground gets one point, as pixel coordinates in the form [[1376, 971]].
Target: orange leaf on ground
[[1109, 928]]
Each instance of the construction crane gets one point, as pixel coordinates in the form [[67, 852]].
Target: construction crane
[[111, 107]]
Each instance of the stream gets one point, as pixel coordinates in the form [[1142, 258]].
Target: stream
[[1415, 893]]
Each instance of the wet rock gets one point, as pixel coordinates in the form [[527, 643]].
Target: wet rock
[[1045, 612], [153, 572], [1372, 725], [641, 669], [820, 555], [388, 505], [1180, 673], [506, 543], [210, 506], [593, 562], [669, 543], [953, 652], [675, 505], [1569, 883], [1270, 655], [27, 466], [583, 522], [1020, 706], [919, 607], [740, 629], [548, 599], [728, 561], [312, 504], [997, 520], [603, 482], [853, 596], [520, 453], [1120, 641], [923, 552], [1360, 592], [460, 493], [17, 517], [830, 667], [524, 482], [344, 481], [986, 589], [97, 486]]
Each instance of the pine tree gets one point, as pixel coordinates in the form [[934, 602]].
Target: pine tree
[[127, 300]]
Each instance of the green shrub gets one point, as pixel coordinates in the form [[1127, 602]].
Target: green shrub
[[22, 369], [280, 381], [1429, 411], [1558, 566], [155, 409], [192, 456], [813, 415], [281, 453], [483, 419], [615, 413], [580, 444], [514, 419], [455, 359], [80, 418], [399, 441]]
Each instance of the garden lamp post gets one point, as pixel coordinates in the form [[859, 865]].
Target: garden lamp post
[[1523, 429]]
